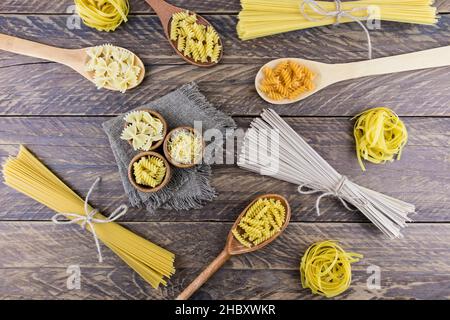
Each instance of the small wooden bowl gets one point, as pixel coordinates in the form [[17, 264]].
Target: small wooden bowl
[[141, 187], [164, 132], [167, 153]]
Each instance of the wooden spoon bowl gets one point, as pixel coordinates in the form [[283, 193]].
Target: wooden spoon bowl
[[327, 74], [167, 153], [148, 189], [165, 11], [73, 58], [164, 123], [234, 247]]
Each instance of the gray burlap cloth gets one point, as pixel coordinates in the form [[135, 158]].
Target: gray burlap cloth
[[188, 188]]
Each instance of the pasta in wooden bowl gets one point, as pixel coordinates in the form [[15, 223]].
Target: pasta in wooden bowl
[[149, 172], [183, 147], [144, 129]]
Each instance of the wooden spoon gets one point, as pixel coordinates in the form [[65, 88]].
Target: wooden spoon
[[73, 58], [165, 11], [327, 74], [234, 247]]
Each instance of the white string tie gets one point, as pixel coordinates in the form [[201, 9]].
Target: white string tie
[[89, 218], [335, 192], [339, 13]]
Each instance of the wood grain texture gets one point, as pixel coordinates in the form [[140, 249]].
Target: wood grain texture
[[35, 257], [139, 6], [77, 150], [30, 87]]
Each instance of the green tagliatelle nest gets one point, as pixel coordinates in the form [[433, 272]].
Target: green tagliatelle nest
[[379, 136], [103, 15]]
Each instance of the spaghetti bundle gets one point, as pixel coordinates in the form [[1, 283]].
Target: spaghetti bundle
[[28, 175], [260, 18], [271, 147], [326, 268], [103, 15], [379, 136]]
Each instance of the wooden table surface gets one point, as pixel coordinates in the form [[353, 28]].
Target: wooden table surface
[[58, 115]]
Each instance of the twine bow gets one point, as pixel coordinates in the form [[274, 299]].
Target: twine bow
[[338, 13], [89, 218], [336, 192]]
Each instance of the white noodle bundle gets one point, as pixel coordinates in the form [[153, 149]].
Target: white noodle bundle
[[271, 147]]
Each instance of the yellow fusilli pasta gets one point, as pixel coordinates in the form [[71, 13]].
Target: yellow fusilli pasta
[[194, 40], [149, 171], [287, 80], [261, 222]]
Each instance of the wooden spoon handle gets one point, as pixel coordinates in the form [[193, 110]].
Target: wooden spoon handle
[[33, 49], [205, 275], [164, 11], [433, 58]]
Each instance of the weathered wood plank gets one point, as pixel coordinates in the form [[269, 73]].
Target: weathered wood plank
[[50, 89], [136, 6], [143, 35], [35, 257], [78, 150], [139, 6]]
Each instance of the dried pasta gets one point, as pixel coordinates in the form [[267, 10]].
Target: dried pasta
[[326, 268], [261, 222], [149, 171], [185, 147], [142, 130], [194, 40], [113, 67], [103, 15], [28, 175], [260, 18], [287, 80], [379, 136]]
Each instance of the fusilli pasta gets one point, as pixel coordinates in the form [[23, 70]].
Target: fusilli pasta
[[194, 40], [261, 222], [149, 171], [287, 80]]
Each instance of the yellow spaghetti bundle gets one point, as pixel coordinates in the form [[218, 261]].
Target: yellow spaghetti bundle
[[287, 80], [260, 18], [379, 136], [28, 175], [261, 222], [326, 268], [103, 15]]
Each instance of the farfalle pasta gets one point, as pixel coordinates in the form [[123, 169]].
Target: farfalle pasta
[[185, 147], [197, 41], [113, 67], [149, 171], [287, 80], [261, 222], [142, 130]]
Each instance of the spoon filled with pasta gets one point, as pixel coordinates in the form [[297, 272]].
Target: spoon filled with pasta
[[260, 223], [107, 66], [193, 38], [288, 80]]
